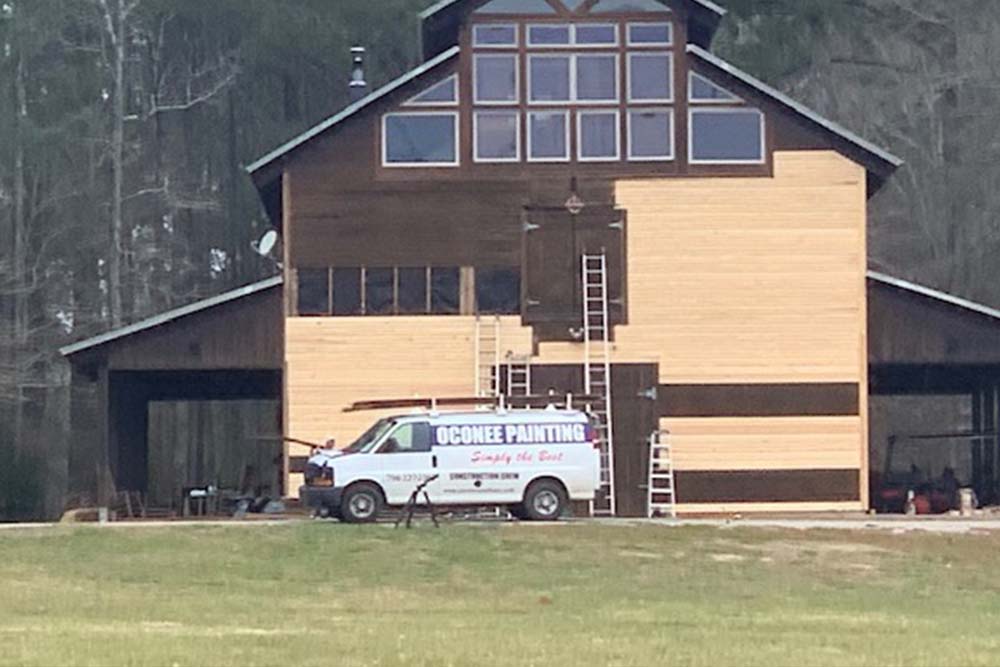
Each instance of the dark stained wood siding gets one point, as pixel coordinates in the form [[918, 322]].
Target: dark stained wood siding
[[765, 486], [759, 400]]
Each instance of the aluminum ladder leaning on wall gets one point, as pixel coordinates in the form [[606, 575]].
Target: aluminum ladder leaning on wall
[[662, 497], [597, 371], [518, 375]]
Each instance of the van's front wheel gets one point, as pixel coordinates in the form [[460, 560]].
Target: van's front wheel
[[545, 500], [361, 503]]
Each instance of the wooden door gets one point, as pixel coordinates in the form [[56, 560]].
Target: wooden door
[[635, 416]]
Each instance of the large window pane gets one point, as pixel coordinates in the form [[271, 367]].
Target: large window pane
[[548, 35], [516, 7], [379, 291], [598, 135], [703, 90], [650, 77], [727, 135], [444, 92], [497, 137], [496, 78], [444, 290], [412, 298], [549, 77], [347, 291], [313, 291], [421, 139], [597, 78], [547, 136], [651, 135], [494, 35], [660, 34], [498, 291], [597, 35]]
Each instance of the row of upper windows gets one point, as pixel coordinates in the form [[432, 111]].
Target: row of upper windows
[[547, 35], [717, 135]]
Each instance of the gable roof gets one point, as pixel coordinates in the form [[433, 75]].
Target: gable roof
[[934, 294], [351, 110], [170, 316], [441, 5], [871, 156]]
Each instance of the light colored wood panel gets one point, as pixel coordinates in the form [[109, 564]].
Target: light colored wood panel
[[689, 509], [765, 443]]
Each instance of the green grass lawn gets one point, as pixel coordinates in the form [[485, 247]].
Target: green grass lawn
[[577, 594]]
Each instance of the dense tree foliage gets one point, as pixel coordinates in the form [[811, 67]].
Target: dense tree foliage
[[124, 125]]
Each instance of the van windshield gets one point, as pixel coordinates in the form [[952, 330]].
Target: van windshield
[[370, 438]]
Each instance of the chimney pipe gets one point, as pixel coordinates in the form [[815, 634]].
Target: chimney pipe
[[359, 87]]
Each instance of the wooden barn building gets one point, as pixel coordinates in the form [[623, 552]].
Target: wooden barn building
[[565, 184]]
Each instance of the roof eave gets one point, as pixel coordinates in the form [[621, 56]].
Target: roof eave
[[931, 293]]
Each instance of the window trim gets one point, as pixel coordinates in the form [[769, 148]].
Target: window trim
[[569, 29], [569, 148], [575, 83], [718, 110], [735, 99], [572, 78], [574, 41], [671, 84], [628, 34], [485, 24], [454, 103], [618, 134], [475, 135], [411, 165], [673, 134], [475, 79]]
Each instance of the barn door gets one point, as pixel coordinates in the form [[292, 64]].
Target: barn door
[[554, 242]]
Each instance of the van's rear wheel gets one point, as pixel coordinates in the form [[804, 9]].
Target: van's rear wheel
[[361, 503], [545, 500]]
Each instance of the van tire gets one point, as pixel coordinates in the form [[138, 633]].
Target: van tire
[[362, 503], [544, 500]]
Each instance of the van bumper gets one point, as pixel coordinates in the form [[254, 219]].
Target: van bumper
[[320, 496]]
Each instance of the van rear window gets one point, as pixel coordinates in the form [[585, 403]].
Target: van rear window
[[510, 434]]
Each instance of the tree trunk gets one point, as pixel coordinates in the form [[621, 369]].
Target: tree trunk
[[20, 252], [115, 283]]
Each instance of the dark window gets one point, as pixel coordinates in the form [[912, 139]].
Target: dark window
[[347, 291], [412, 291], [379, 291], [727, 135], [421, 138], [444, 291], [498, 291], [314, 292]]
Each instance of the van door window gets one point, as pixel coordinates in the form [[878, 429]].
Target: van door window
[[407, 439]]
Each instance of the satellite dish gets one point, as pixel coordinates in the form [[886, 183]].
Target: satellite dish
[[267, 243]]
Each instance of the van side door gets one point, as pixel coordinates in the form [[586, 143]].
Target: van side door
[[405, 460]]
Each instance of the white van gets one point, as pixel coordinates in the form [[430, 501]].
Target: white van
[[533, 461]]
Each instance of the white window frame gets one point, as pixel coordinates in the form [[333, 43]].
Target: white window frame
[[475, 79], [569, 147], [517, 36], [454, 82], [572, 77], [596, 24], [574, 82], [717, 110], [692, 100], [410, 165], [475, 135], [673, 135], [618, 134], [670, 34], [569, 29], [671, 84]]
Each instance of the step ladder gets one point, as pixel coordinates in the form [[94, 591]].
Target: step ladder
[[487, 382], [518, 375], [662, 500], [597, 372]]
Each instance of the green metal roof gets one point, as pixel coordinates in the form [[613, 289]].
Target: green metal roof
[[352, 109]]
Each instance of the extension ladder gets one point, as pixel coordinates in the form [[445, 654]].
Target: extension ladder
[[487, 357], [662, 499], [597, 372]]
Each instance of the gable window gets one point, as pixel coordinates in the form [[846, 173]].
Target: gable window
[[443, 93], [548, 35], [597, 78], [629, 6], [596, 34], [548, 136], [549, 78], [726, 136], [420, 139], [702, 90], [651, 135], [496, 79], [650, 34], [598, 136], [497, 136], [516, 7], [650, 77], [495, 35]]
